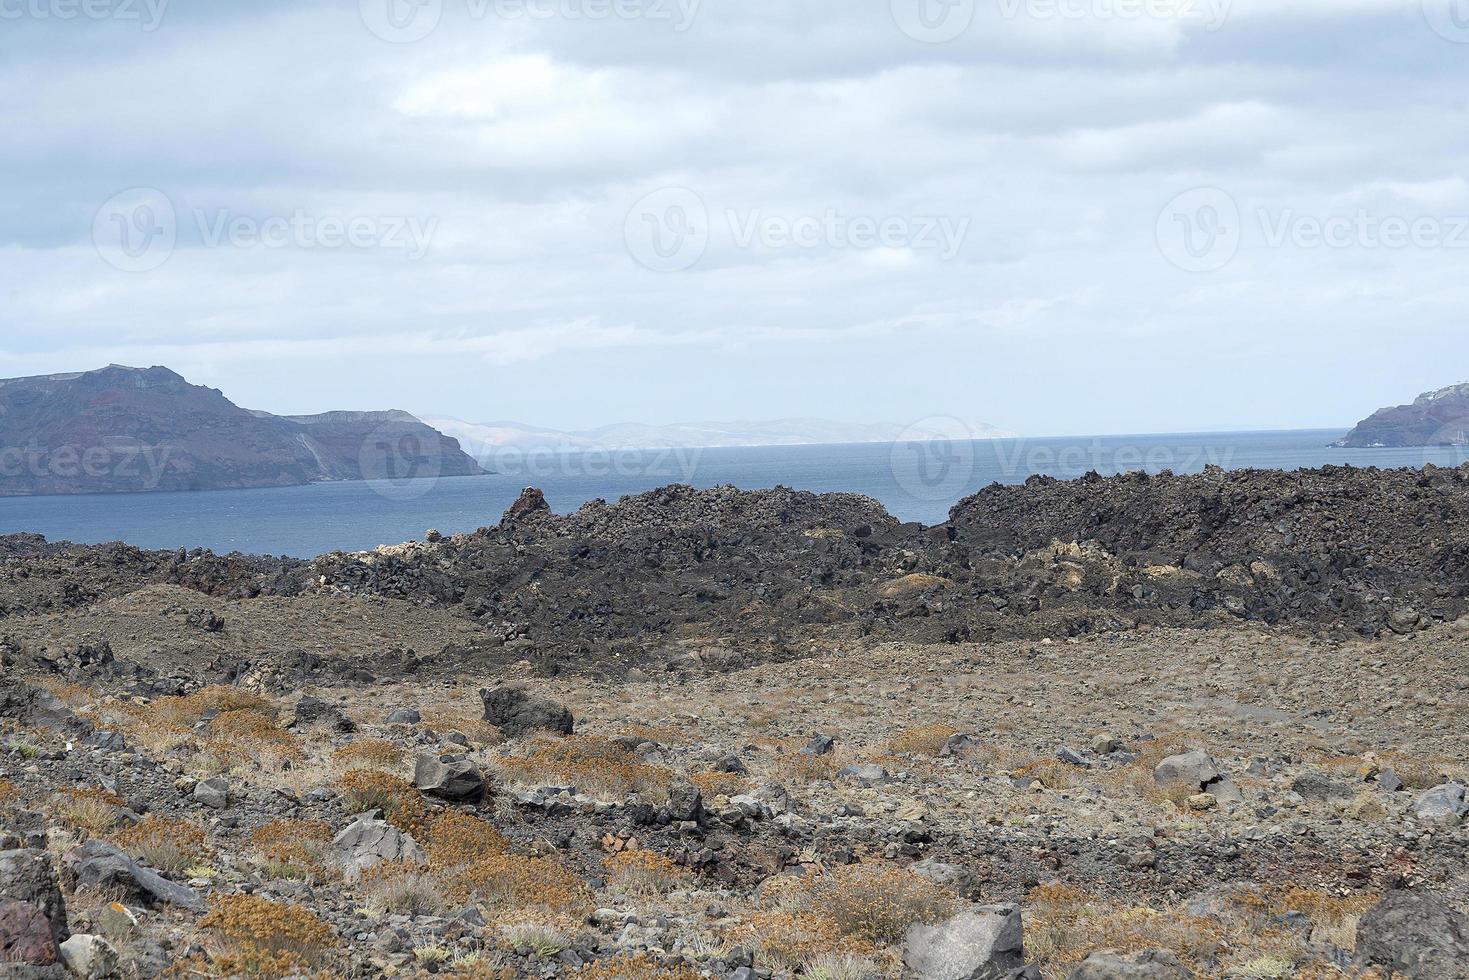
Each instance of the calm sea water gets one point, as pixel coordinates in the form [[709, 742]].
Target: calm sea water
[[916, 482]]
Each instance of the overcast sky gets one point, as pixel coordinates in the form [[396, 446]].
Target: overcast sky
[[1058, 216]]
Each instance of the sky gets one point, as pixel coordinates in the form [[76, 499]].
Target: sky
[[1055, 216]]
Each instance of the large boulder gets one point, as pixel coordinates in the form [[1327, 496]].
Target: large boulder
[[983, 943], [1197, 771], [29, 877], [449, 777], [1414, 935], [97, 864], [37, 708], [1153, 964], [1443, 805], [368, 842], [90, 957], [517, 712], [25, 936]]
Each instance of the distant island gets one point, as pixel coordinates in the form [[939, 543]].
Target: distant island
[[484, 440], [1438, 418], [127, 430]]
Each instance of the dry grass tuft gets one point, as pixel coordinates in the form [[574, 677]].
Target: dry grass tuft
[[925, 740], [168, 845], [398, 889], [259, 937], [852, 911], [371, 753], [372, 789], [93, 812], [643, 873], [298, 849], [593, 764]]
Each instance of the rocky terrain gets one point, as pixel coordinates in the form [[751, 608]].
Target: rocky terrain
[[123, 429], [1135, 727], [1437, 418]]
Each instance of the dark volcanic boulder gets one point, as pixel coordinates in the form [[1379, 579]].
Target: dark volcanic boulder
[[33, 913], [1415, 935], [515, 712], [449, 777], [98, 864]]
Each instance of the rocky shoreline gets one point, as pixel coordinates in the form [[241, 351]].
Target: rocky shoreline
[[1129, 727]]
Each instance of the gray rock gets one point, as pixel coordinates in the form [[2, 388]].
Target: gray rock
[[97, 864], [1194, 768], [449, 777], [516, 712], [1105, 744], [405, 716], [1197, 769], [984, 943], [213, 793], [685, 802], [1443, 805], [90, 957], [367, 843], [1414, 935], [951, 876], [865, 774], [819, 745], [1153, 964], [30, 877], [1320, 788], [958, 745], [315, 711], [1072, 757], [1389, 781]]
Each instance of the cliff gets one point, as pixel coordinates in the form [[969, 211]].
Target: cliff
[[122, 429], [1438, 418]]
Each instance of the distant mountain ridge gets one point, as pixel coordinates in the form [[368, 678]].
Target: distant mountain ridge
[[1436, 418], [483, 440], [125, 430]]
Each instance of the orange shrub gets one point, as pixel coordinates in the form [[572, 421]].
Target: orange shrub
[[259, 937]]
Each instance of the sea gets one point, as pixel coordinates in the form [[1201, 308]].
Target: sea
[[914, 481]]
